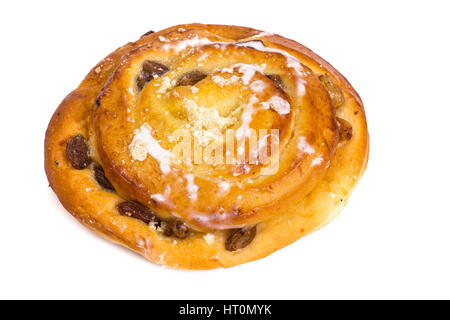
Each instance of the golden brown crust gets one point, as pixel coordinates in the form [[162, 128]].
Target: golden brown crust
[[96, 208]]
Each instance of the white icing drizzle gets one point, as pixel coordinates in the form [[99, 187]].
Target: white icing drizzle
[[158, 197], [192, 42], [277, 104], [317, 161], [165, 85], [292, 62], [224, 186], [257, 86], [209, 238], [248, 71], [214, 220], [194, 89], [263, 34], [304, 146], [246, 119], [224, 82], [143, 143]]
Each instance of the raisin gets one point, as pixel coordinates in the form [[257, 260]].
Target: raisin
[[77, 151], [150, 69], [147, 33], [191, 78], [136, 210], [240, 238], [345, 129], [99, 175], [333, 89], [176, 228], [250, 43], [277, 79]]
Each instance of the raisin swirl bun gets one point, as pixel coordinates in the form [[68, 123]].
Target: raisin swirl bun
[[117, 150]]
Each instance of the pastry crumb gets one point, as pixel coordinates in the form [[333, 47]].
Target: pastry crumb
[[209, 238]]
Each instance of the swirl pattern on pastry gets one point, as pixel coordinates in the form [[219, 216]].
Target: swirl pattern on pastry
[[202, 146]]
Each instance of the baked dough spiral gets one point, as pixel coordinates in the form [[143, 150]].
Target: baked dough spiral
[[202, 146]]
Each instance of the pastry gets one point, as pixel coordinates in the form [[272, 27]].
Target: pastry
[[205, 146]]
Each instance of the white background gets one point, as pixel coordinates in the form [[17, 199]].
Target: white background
[[391, 241]]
